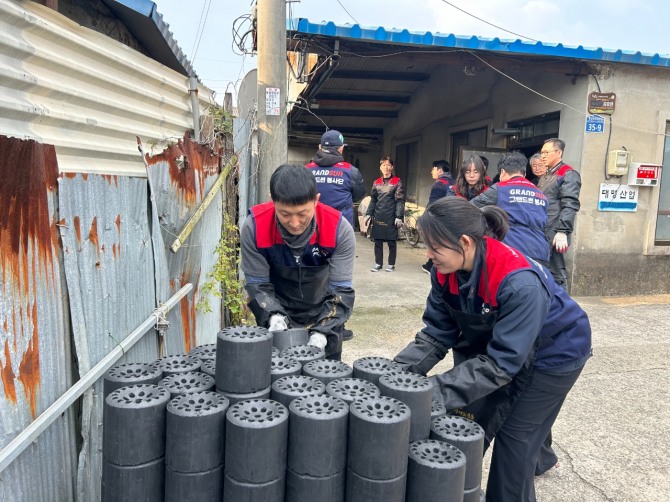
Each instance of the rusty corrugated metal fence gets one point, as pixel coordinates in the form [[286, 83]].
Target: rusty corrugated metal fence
[[86, 221], [85, 258]]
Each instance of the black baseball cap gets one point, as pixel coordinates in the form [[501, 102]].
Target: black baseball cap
[[332, 138]]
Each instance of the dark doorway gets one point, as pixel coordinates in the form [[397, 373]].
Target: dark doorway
[[407, 167]]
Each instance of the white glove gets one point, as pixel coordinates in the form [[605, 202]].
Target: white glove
[[317, 340], [367, 220], [560, 242], [398, 222], [277, 323]]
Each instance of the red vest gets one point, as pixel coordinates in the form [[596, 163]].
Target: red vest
[[501, 260]]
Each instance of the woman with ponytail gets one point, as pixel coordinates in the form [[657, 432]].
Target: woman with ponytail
[[519, 341]]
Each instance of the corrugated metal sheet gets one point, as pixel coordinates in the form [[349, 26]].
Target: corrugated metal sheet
[[85, 93], [100, 242], [510, 46], [147, 24], [34, 329], [179, 178], [109, 269]]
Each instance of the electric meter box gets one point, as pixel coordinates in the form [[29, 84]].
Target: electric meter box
[[617, 162], [644, 174]]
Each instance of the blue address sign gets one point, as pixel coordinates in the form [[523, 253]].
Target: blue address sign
[[595, 124]]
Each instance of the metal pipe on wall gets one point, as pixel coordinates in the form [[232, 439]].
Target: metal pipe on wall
[[15, 447], [195, 105]]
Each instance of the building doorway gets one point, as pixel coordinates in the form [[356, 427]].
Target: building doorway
[[407, 168]]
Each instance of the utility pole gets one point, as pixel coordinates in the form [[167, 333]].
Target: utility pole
[[272, 86]]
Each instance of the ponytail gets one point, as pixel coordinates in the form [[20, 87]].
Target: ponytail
[[449, 218], [496, 221]]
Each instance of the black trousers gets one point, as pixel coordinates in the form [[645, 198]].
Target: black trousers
[[379, 251], [557, 268], [517, 446]]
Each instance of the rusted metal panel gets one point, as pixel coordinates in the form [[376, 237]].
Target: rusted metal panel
[[86, 94], [109, 269], [179, 178], [35, 363]]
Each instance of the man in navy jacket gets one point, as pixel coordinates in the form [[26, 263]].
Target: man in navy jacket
[[339, 183], [525, 205]]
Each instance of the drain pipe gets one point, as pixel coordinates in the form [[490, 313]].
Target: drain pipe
[[9, 453], [195, 106]]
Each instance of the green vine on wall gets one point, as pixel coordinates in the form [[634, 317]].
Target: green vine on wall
[[222, 282]]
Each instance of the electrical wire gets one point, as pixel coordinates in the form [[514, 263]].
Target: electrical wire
[[309, 111], [364, 56], [202, 30], [197, 31], [240, 40], [345, 10], [487, 22], [584, 114]]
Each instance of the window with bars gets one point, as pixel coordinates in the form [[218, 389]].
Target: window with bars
[[662, 236]]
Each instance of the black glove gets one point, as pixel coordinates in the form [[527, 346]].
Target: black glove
[[421, 355]]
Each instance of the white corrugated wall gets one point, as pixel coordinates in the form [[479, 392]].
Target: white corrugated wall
[[85, 93]]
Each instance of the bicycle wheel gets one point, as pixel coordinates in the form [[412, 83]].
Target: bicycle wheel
[[411, 231]]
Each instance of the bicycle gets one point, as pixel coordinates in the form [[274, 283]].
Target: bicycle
[[409, 229]]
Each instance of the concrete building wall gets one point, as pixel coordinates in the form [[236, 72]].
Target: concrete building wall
[[614, 251]]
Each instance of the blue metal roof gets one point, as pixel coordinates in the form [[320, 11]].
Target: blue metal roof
[[508, 46], [147, 25]]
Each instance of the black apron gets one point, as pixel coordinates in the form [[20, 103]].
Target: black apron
[[491, 411], [301, 290]]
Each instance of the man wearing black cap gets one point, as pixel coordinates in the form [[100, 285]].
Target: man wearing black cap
[[339, 183]]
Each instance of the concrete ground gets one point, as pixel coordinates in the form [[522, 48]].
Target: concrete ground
[[612, 436]]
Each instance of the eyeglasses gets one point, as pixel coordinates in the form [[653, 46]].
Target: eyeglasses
[[547, 152]]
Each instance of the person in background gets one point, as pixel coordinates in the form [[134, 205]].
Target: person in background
[[386, 211], [440, 172], [339, 183], [521, 341], [525, 205], [537, 167], [298, 257], [561, 184], [471, 180], [496, 178]]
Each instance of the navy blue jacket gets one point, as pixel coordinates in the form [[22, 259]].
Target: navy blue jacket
[[526, 207], [339, 183], [531, 307], [440, 188]]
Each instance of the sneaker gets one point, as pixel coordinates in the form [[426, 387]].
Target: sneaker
[[425, 268], [347, 334], [376, 268], [390, 268]]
